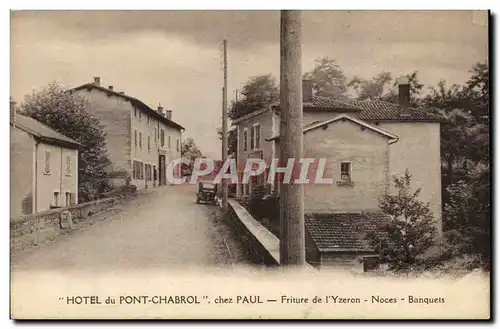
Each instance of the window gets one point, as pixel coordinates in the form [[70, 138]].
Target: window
[[168, 145], [68, 165], [138, 172], [178, 145], [135, 112], [140, 115], [47, 162], [140, 140], [255, 137], [345, 171], [156, 137], [135, 138], [162, 137], [147, 116], [68, 199], [149, 143], [55, 200], [370, 263], [245, 140], [148, 172], [252, 138]]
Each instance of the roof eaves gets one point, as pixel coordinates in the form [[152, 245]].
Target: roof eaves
[[249, 115], [133, 100]]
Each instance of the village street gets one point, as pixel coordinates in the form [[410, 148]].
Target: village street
[[164, 229]]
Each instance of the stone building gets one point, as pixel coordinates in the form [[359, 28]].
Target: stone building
[[141, 141], [44, 167], [365, 143]]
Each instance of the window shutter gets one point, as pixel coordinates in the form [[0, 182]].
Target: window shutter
[[257, 136], [252, 138]]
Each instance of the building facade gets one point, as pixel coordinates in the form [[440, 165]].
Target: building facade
[[44, 167], [382, 140], [141, 141]]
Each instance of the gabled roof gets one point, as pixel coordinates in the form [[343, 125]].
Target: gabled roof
[[343, 117], [329, 103], [43, 132], [135, 102], [343, 232], [373, 110], [370, 110]]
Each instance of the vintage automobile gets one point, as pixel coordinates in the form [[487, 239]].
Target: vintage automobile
[[206, 193]]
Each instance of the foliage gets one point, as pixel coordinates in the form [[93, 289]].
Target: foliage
[[190, 150], [410, 231], [258, 93], [232, 140], [465, 159], [66, 113], [384, 88], [466, 220], [328, 78], [373, 89]]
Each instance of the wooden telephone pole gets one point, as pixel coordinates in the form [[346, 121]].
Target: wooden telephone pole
[[224, 129], [292, 239]]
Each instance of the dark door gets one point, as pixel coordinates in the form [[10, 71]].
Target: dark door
[[161, 169]]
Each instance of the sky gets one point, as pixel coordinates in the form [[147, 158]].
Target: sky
[[174, 57]]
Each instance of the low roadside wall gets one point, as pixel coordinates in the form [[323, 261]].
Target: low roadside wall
[[262, 244], [31, 230]]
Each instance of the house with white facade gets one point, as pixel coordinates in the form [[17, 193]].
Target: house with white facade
[[365, 143], [44, 167], [140, 140]]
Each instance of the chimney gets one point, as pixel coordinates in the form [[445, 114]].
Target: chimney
[[404, 98], [169, 114], [97, 81], [307, 91], [160, 110], [12, 111], [110, 88]]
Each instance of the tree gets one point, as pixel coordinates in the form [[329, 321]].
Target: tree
[[410, 230], [66, 113], [328, 78], [465, 164], [258, 92], [373, 89], [189, 149], [443, 97], [380, 88], [232, 140], [477, 91]]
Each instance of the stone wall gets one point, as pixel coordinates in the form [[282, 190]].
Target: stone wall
[[247, 229], [31, 230]]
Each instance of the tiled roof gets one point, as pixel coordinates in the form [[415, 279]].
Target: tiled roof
[[42, 131], [134, 101], [328, 103], [385, 111], [342, 232]]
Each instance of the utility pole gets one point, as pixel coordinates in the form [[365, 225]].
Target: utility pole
[[224, 129], [292, 239]]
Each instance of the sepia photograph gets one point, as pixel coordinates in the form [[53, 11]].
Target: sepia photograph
[[250, 164]]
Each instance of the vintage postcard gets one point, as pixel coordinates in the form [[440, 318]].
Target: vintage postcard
[[250, 165]]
